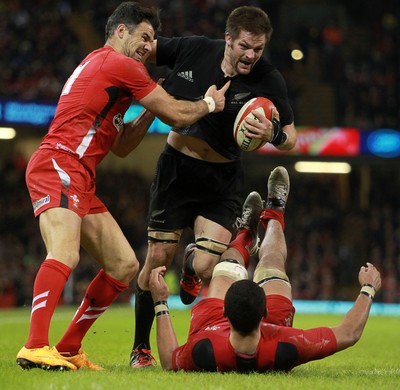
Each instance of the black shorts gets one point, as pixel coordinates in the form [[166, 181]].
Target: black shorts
[[185, 188]]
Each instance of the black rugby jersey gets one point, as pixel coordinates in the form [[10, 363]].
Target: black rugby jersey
[[195, 64]]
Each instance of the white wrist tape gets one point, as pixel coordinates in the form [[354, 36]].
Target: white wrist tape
[[210, 103], [368, 290]]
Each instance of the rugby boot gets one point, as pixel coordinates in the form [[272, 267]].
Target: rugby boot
[[81, 360], [190, 284], [44, 358], [278, 189], [142, 358], [251, 211]]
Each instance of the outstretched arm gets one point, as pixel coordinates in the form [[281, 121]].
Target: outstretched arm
[[180, 113], [353, 323], [166, 338]]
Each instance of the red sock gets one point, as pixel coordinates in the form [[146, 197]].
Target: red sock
[[49, 284], [100, 294], [242, 243], [268, 214]]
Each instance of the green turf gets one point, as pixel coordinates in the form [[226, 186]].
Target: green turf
[[373, 363]]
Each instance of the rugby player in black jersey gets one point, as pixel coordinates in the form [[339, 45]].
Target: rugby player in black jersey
[[199, 178]]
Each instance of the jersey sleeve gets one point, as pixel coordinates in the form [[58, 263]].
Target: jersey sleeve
[[281, 99], [314, 344], [133, 75], [181, 359], [167, 51], [170, 49]]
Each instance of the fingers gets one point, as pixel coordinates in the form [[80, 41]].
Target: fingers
[[158, 288], [160, 270], [367, 267], [157, 273], [370, 275], [275, 113], [213, 88], [226, 86]]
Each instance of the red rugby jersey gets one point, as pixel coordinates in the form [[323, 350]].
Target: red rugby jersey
[[93, 103], [280, 348]]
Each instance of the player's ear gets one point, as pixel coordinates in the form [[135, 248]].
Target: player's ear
[[121, 30], [228, 39]]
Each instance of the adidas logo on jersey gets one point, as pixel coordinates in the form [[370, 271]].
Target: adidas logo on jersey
[[187, 75]]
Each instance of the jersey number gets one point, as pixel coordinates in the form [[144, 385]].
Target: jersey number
[[72, 78]]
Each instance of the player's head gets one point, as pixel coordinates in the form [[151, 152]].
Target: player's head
[[248, 31], [245, 306], [131, 14], [251, 19]]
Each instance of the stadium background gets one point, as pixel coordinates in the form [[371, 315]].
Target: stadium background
[[349, 77]]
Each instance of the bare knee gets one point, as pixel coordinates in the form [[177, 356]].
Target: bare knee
[[124, 269], [158, 254], [69, 258], [131, 267], [206, 256], [204, 265]]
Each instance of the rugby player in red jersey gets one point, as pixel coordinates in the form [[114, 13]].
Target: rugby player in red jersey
[[246, 325], [61, 174]]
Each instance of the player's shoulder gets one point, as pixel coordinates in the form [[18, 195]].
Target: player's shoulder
[[202, 39], [265, 68], [265, 73], [106, 56], [198, 42]]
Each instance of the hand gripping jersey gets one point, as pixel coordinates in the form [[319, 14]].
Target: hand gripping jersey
[[195, 64], [93, 103]]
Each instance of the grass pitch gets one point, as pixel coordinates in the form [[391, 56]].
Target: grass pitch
[[373, 363]]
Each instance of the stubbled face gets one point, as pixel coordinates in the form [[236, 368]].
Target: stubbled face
[[138, 44], [244, 52]]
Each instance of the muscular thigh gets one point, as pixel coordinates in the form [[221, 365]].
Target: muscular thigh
[[158, 254], [60, 230], [104, 240]]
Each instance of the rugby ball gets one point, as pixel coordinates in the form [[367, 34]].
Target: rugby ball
[[260, 104]]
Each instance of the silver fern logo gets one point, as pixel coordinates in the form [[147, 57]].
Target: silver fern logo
[[241, 96]]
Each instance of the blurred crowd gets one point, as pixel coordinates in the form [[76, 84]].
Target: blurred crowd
[[328, 238], [351, 48]]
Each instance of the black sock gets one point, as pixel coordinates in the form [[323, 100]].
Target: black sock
[[144, 316]]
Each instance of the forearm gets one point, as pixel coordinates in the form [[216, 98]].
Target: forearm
[[291, 140], [166, 338], [184, 113], [166, 341], [352, 325], [174, 112], [132, 134]]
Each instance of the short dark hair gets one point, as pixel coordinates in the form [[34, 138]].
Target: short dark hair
[[131, 14], [245, 305], [248, 18]]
